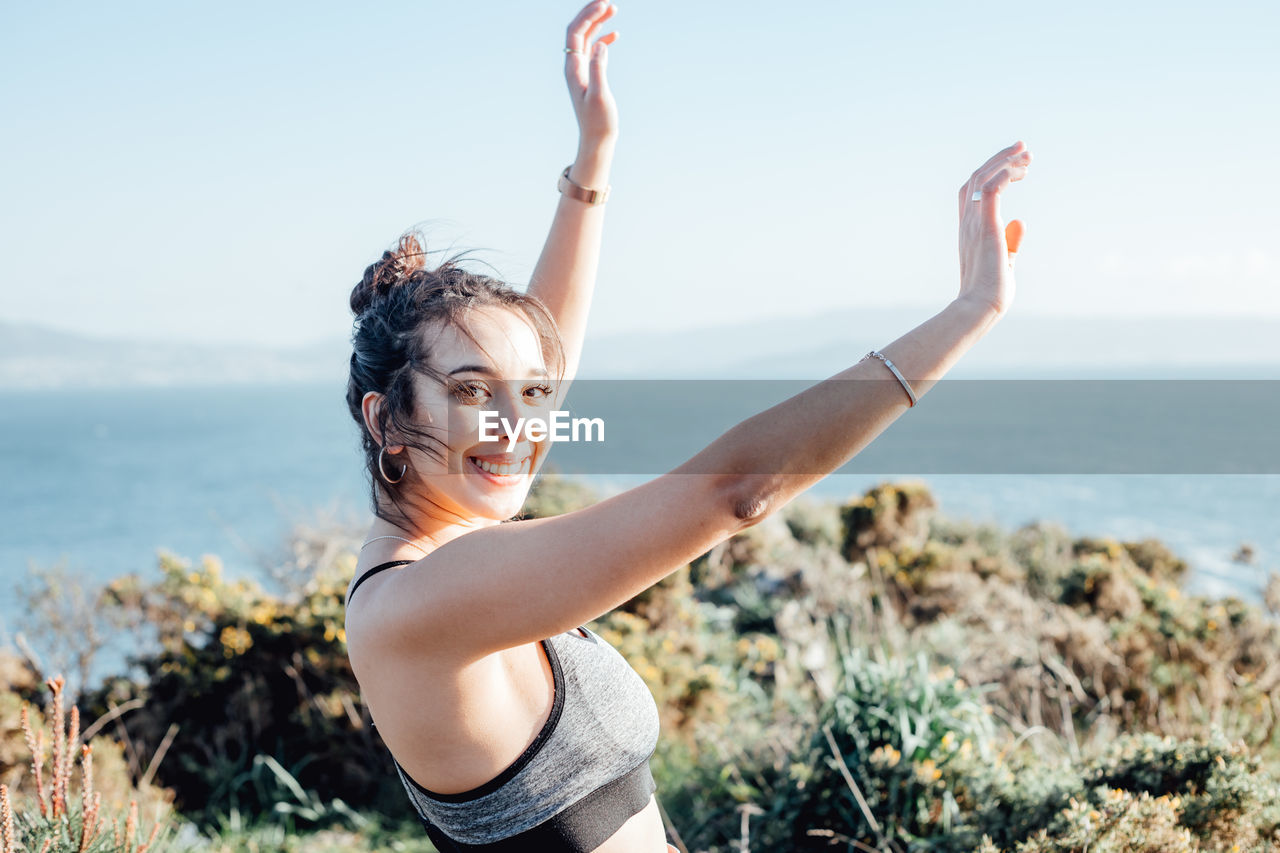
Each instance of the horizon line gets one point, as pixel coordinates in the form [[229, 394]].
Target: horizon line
[[100, 337]]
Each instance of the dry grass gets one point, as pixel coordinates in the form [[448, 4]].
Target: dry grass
[[59, 826]]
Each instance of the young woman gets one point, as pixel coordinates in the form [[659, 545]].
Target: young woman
[[512, 726]]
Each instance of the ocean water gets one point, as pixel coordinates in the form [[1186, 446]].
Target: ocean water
[[99, 480]]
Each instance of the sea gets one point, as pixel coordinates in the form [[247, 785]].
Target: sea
[[99, 481]]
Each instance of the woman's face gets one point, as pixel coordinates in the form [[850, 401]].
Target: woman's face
[[501, 371]]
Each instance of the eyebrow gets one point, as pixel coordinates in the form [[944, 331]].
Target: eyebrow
[[480, 368]]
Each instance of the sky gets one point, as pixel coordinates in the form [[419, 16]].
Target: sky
[[225, 172]]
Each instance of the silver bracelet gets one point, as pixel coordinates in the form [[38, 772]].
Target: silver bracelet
[[890, 365]]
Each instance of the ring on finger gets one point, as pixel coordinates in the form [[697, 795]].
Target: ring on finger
[[977, 196], [575, 50]]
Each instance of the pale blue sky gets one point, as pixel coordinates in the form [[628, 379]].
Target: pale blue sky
[[224, 172]]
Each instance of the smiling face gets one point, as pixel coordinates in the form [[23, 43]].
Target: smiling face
[[502, 370]]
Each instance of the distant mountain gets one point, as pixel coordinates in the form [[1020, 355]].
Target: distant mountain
[[34, 356], [1020, 346]]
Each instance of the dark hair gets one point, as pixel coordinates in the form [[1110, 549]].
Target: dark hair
[[394, 303]]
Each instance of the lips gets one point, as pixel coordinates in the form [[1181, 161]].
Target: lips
[[510, 471], [500, 458]]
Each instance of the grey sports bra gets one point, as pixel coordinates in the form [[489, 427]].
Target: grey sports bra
[[585, 773]]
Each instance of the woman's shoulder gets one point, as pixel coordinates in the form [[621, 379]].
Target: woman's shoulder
[[368, 569], [373, 647]]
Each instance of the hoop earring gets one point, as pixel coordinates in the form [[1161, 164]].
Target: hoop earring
[[383, 471]]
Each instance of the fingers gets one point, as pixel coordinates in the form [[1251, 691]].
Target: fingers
[[589, 76], [1015, 169], [586, 22], [988, 207], [1000, 156], [982, 172], [578, 37], [1013, 234], [609, 11], [599, 61], [993, 176]]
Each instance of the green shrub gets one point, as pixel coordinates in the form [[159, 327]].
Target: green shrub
[[49, 815], [892, 743], [553, 494], [813, 523], [1140, 793], [246, 674], [1073, 640]]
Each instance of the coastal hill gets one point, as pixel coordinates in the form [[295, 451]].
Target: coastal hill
[[38, 357], [799, 347]]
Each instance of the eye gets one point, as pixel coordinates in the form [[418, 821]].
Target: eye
[[540, 391], [470, 392]]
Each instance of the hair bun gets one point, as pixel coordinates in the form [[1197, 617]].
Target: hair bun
[[393, 267]]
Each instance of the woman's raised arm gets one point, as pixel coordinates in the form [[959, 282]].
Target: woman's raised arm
[[565, 274], [519, 582]]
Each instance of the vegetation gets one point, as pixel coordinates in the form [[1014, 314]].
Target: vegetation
[[865, 676]]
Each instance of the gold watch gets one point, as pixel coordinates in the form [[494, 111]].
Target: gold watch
[[581, 193]]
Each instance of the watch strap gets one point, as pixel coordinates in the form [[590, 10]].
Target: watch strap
[[581, 193]]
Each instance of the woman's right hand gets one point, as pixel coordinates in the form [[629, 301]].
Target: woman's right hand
[[987, 246], [584, 71]]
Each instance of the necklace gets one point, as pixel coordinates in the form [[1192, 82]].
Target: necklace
[[401, 538]]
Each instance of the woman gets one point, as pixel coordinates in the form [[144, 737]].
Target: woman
[[512, 726]]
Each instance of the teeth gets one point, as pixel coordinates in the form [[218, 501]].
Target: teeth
[[504, 470]]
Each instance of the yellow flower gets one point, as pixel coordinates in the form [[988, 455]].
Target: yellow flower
[[928, 771], [947, 740], [235, 640], [262, 614]]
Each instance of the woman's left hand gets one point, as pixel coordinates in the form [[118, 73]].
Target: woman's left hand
[[584, 69]]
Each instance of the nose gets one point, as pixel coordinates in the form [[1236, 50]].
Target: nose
[[508, 409], [503, 420]]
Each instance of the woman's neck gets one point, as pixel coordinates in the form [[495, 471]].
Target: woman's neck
[[425, 534]]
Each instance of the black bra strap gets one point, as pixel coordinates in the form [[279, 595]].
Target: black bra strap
[[374, 571]]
